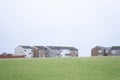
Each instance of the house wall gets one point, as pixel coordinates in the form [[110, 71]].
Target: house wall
[[62, 53], [56, 53], [42, 53], [29, 53], [108, 52], [97, 52], [51, 52], [39, 53], [115, 52], [100, 52], [35, 52], [21, 51], [65, 53], [74, 53]]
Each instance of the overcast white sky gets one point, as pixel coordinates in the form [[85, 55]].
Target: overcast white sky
[[79, 23]]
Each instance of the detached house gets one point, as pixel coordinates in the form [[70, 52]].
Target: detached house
[[27, 51], [101, 51], [60, 51], [105, 51], [40, 51]]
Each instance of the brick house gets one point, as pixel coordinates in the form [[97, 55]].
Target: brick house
[[40, 51], [101, 51]]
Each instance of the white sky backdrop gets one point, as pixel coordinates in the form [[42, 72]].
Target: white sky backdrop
[[79, 23]]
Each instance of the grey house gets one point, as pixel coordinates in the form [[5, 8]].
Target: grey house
[[115, 51], [61, 51]]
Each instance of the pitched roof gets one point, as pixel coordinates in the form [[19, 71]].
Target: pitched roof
[[40, 47], [101, 47], [115, 48], [108, 48], [26, 47], [62, 47]]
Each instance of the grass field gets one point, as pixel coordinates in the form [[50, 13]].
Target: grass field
[[96, 68]]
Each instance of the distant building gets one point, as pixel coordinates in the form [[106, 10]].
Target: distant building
[[24, 50], [60, 51], [105, 51], [40, 51], [100, 51], [49, 51], [115, 50]]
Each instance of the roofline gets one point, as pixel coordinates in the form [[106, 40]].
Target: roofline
[[64, 47]]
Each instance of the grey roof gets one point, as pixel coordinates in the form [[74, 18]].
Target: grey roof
[[101, 47], [115, 48], [62, 47], [108, 48], [26, 47], [40, 47]]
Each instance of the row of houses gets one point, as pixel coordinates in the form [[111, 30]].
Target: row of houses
[[59, 51], [105, 51], [48, 51]]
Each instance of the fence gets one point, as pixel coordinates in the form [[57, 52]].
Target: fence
[[11, 56]]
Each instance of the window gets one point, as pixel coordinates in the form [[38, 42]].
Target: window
[[99, 51], [113, 52], [107, 51], [67, 55]]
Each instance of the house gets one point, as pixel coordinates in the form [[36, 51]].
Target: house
[[115, 50], [40, 51], [49, 51], [101, 51], [105, 51], [61, 51], [24, 50]]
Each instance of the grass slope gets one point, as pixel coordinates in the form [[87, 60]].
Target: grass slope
[[96, 68]]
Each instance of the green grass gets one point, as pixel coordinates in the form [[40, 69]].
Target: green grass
[[96, 68]]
